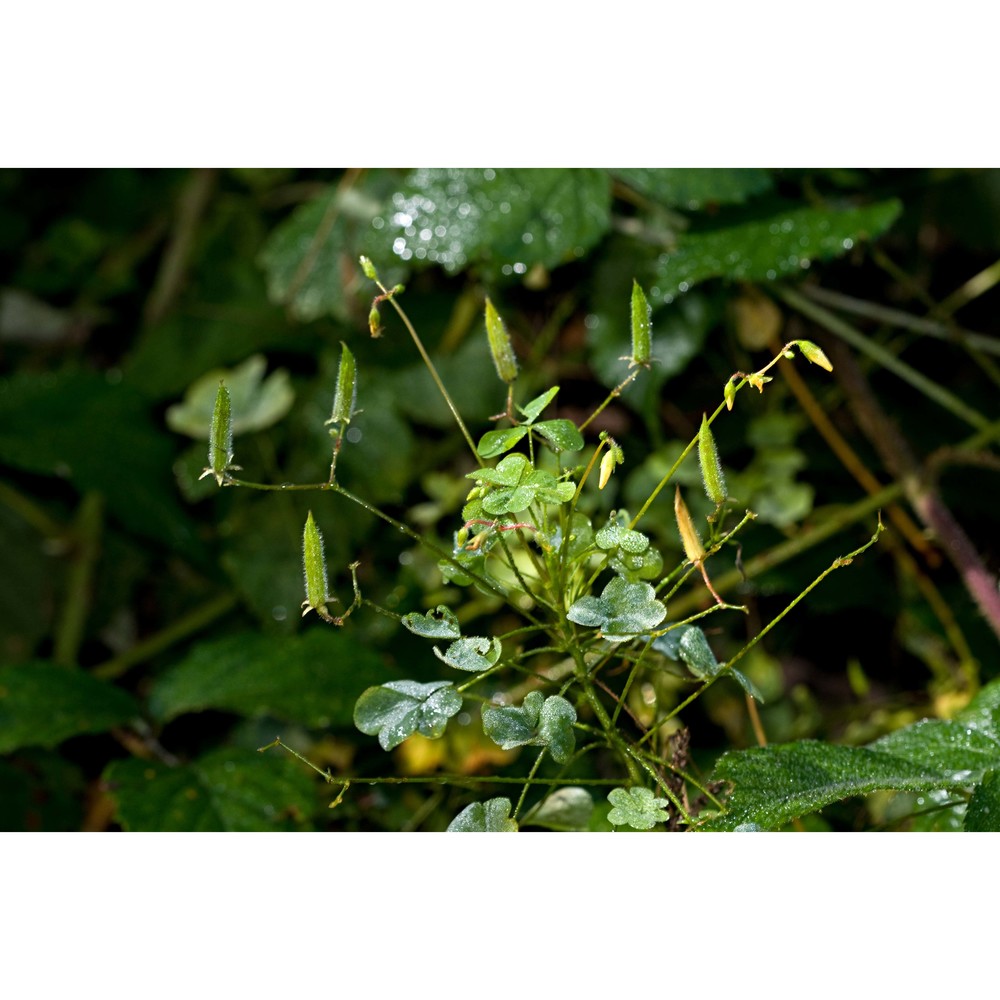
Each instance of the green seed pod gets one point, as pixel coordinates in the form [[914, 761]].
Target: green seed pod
[[814, 354], [711, 468], [314, 569], [346, 396], [500, 346], [375, 322], [690, 538], [729, 392], [641, 339], [369, 268], [220, 438]]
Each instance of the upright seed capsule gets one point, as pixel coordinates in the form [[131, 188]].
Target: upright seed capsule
[[314, 569], [220, 436], [641, 337], [711, 468], [500, 345], [346, 396], [690, 538]]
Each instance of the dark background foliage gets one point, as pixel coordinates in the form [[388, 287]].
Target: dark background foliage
[[150, 637]]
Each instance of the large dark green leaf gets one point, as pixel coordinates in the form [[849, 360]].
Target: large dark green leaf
[[983, 813], [505, 219], [42, 704], [226, 790], [98, 434], [306, 260], [766, 249], [694, 188], [311, 679], [772, 785]]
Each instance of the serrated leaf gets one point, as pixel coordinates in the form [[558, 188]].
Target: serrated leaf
[[638, 808], [397, 710], [777, 783], [943, 744], [312, 679], [256, 402], [494, 443], [694, 188], [560, 435], [623, 610], [474, 653], [226, 790], [500, 219], [492, 816], [533, 410], [42, 704], [983, 812], [565, 809], [770, 248], [538, 721], [440, 623]]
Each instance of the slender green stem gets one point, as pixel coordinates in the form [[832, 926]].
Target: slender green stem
[[72, 620], [613, 395], [527, 784], [329, 778], [30, 512], [183, 628], [434, 372]]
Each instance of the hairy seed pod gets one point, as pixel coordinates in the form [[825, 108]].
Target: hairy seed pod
[[814, 354], [642, 344], [220, 438], [711, 468], [500, 345], [314, 568], [374, 322], [369, 269], [607, 467], [346, 396], [690, 538]]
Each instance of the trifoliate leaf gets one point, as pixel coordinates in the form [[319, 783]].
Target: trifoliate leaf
[[560, 435], [622, 611], [538, 721], [638, 808], [398, 709]]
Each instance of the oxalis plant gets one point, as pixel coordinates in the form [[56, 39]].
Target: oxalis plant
[[592, 597]]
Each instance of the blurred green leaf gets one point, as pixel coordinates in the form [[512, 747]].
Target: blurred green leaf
[[763, 250], [312, 679], [256, 402], [26, 596], [40, 791], [638, 808], [42, 704], [507, 220], [565, 809], [694, 188], [492, 816], [397, 710], [308, 261], [226, 790], [622, 611], [98, 433]]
